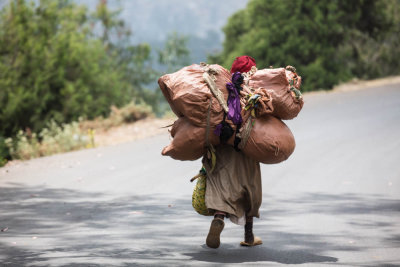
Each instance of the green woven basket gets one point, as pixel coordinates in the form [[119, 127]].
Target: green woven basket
[[199, 195]]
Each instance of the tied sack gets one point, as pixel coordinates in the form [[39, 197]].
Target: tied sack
[[269, 141], [282, 84], [189, 141], [189, 95]]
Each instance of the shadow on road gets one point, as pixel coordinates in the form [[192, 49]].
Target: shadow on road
[[47, 226], [226, 254]]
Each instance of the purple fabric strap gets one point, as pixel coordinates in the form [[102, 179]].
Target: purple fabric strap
[[234, 98], [233, 102]]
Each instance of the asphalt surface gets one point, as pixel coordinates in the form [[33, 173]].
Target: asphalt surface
[[335, 202]]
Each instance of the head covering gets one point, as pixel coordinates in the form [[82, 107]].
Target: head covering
[[243, 64]]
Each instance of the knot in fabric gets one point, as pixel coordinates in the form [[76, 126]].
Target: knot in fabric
[[237, 80]]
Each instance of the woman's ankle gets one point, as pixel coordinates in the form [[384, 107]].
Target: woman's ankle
[[219, 215]]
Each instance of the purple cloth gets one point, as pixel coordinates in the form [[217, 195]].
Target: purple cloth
[[217, 130], [234, 98], [237, 80]]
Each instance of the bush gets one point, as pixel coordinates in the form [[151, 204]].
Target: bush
[[57, 138], [51, 140], [4, 153], [131, 112], [327, 41], [53, 66], [126, 114]]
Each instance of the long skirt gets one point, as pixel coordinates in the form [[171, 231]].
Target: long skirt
[[234, 186]]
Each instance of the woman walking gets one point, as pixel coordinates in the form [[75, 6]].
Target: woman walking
[[234, 184], [230, 180]]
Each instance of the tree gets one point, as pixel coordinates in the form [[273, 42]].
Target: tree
[[53, 66], [133, 61], [175, 53], [374, 52], [308, 34]]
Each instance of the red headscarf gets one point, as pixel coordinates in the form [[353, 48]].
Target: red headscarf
[[243, 64]]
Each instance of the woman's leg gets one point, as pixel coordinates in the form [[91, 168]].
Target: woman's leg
[[217, 225], [249, 238], [248, 230]]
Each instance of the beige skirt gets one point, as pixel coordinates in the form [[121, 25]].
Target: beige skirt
[[234, 186]]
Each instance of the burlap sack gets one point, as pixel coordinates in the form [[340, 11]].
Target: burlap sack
[[285, 105], [270, 141], [188, 94], [189, 141]]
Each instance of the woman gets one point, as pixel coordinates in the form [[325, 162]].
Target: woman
[[233, 185]]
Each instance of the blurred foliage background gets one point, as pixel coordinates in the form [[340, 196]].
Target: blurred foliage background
[[61, 61], [328, 41]]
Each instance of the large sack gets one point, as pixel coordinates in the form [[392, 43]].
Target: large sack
[[189, 141], [285, 104], [188, 94], [270, 141]]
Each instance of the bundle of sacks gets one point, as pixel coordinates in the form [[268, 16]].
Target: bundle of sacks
[[244, 107]]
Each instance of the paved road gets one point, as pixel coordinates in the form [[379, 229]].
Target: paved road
[[336, 201]]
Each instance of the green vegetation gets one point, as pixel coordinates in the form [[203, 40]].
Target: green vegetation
[[4, 153], [52, 67], [327, 41], [175, 53], [60, 62], [54, 139], [57, 138]]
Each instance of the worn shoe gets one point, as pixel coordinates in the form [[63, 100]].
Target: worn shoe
[[257, 241], [213, 237]]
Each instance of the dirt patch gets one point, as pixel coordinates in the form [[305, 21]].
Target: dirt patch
[[360, 84]]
